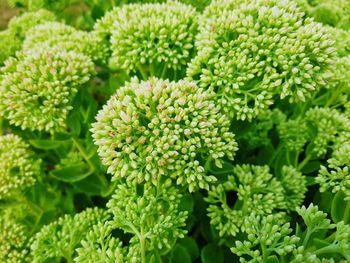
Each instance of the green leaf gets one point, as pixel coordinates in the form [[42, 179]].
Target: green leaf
[[72, 173], [310, 180], [73, 122], [211, 253], [338, 207], [280, 161], [46, 144], [90, 185], [191, 247], [186, 203], [180, 255], [226, 168], [311, 167]]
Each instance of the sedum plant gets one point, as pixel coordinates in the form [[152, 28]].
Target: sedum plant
[[175, 131], [150, 39], [252, 189], [59, 239], [252, 51], [157, 128], [43, 82], [58, 35], [19, 167]]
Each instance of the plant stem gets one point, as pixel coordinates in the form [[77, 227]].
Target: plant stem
[[307, 237], [303, 163], [142, 245], [142, 72], [83, 153], [277, 151]]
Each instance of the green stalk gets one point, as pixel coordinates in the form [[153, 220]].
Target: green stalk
[[303, 163], [142, 245], [83, 153]]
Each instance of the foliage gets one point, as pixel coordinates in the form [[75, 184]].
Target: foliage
[[175, 131]]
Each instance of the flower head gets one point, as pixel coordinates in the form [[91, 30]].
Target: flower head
[[20, 25], [252, 52], [37, 88], [150, 38], [256, 190], [152, 214], [157, 128], [18, 166], [59, 35], [9, 44], [13, 241], [59, 239]]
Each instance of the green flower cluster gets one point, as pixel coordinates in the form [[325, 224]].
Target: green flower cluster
[[198, 4], [270, 238], [58, 35], [157, 128], [59, 239], [270, 233], [43, 82], [9, 44], [99, 246], [19, 167], [250, 53], [336, 177], [11, 39], [152, 215], [252, 189], [13, 241], [151, 39]]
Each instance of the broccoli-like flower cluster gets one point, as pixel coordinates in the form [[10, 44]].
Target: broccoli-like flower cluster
[[316, 133], [331, 127], [18, 166], [198, 4], [151, 39], [11, 39], [60, 238], [294, 134], [157, 128], [335, 13], [43, 82], [99, 246], [265, 235], [316, 222], [256, 51], [21, 24], [270, 238], [336, 177], [252, 189], [9, 44], [152, 214], [58, 35], [13, 241]]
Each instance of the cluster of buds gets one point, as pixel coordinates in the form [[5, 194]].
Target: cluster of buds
[[157, 128]]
